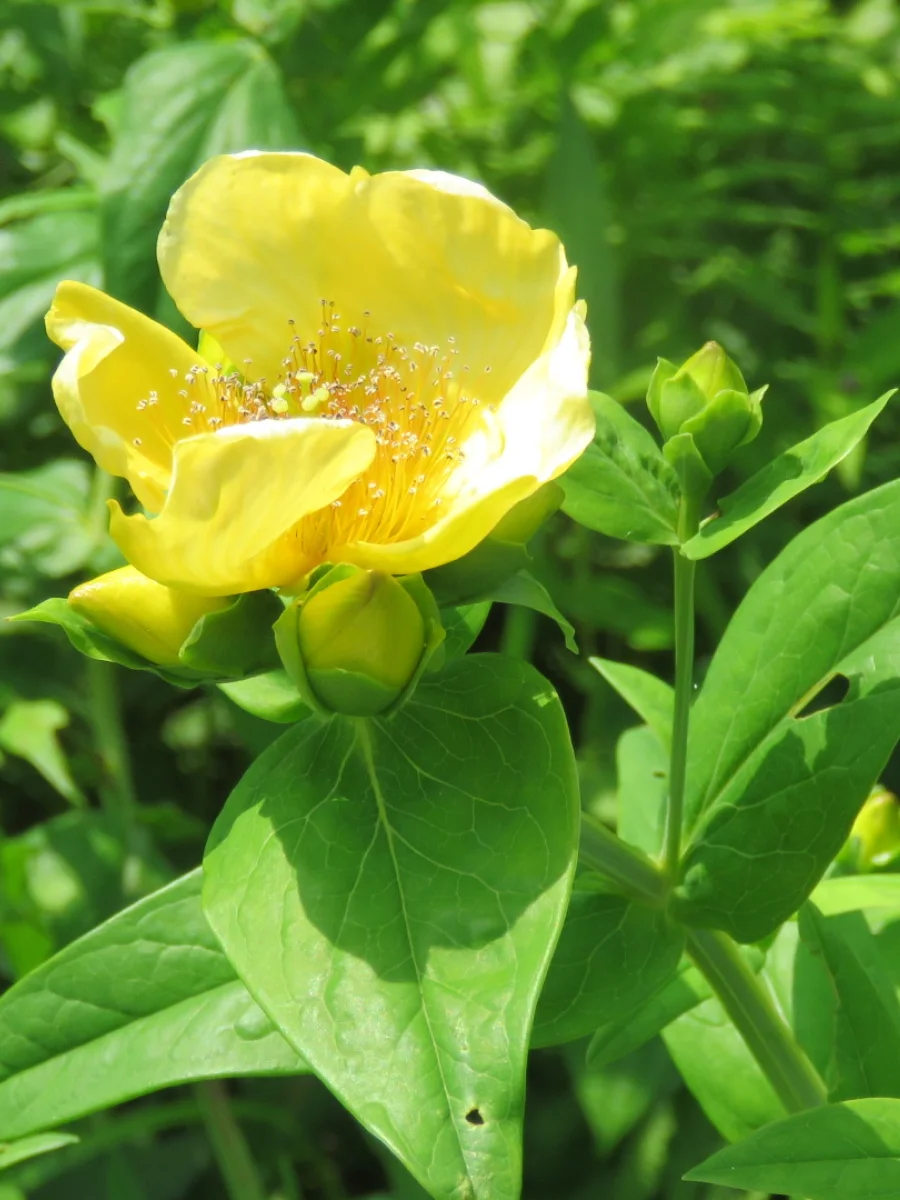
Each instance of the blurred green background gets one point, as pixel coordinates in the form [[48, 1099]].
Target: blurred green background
[[717, 170]]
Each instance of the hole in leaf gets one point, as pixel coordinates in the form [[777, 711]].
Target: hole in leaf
[[474, 1117], [829, 695]]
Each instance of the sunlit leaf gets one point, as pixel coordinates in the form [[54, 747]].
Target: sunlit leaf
[[391, 893]]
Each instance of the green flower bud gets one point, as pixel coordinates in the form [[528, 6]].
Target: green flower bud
[[146, 617], [358, 640], [708, 399]]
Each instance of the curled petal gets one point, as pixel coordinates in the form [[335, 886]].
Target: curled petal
[[117, 359], [537, 431], [228, 523], [253, 241]]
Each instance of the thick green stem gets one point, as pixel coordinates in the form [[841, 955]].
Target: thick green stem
[[746, 1001], [623, 865], [684, 681], [229, 1145]]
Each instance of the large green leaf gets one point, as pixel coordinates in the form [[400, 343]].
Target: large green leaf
[[785, 477], [780, 790], [144, 1001], [622, 486], [613, 954], [391, 893], [866, 1042], [847, 1151], [180, 105]]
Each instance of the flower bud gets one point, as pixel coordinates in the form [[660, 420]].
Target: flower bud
[[146, 617], [875, 836], [707, 399], [358, 639]]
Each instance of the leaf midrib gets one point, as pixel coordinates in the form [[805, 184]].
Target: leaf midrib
[[364, 740]]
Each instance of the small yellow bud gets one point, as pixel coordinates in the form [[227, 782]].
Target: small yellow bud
[[143, 615]]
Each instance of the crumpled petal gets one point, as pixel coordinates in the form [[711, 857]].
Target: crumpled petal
[[537, 431], [227, 525], [115, 357], [253, 241]]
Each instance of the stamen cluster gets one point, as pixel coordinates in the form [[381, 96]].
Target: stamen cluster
[[413, 398]]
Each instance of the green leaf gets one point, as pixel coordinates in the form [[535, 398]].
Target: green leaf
[[180, 105], [391, 891], [142, 1002], [847, 1151], [612, 955], [713, 1057], [272, 695], [523, 589], [847, 893], [622, 486], [43, 526], [867, 1013], [678, 995], [780, 790], [651, 698], [29, 1147], [462, 625], [615, 1098], [719, 1070], [28, 729], [34, 255], [785, 477], [58, 880], [642, 768]]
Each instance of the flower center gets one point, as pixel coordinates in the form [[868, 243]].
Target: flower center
[[418, 400]]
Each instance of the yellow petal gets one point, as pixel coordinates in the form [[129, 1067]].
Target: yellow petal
[[142, 614], [115, 358], [253, 241], [236, 495], [537, 431]]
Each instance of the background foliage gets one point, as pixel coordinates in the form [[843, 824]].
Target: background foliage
[[717, 170]]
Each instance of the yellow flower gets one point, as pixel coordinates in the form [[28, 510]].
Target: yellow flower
[[387, 365]]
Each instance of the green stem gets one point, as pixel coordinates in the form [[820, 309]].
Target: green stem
[[229, 1145], [118, 793], [519, 632], [630, 870], [751, 1009], [685, 570]]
